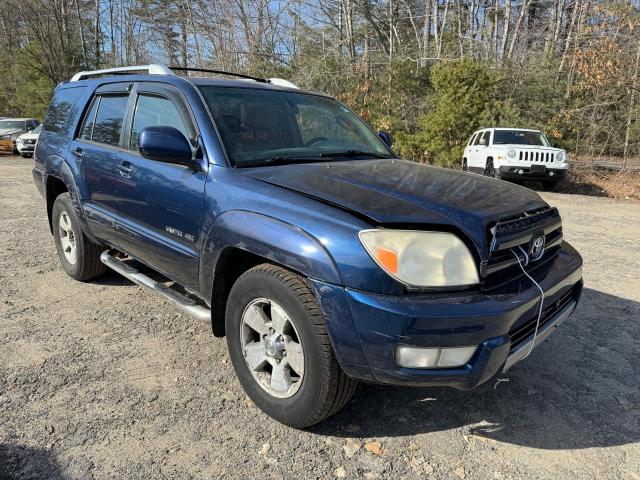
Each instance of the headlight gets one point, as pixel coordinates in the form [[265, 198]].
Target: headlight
[[511, 153], [561, 156], [421, 259]]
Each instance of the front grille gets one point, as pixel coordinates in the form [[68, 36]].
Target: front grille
[[536, 156], [524, 330], [513, 235]]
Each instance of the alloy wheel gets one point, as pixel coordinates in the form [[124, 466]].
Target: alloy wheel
[[272, 348], [67, 237]]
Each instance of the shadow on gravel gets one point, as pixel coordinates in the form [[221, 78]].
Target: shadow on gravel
[[21, 462], [579, 389]]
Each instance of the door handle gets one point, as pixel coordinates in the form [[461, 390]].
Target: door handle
[[78, 153], [125, 169]]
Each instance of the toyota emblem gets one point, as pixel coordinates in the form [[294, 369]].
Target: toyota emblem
[[536, 248]]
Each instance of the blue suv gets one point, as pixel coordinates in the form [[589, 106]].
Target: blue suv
[[280, 217]]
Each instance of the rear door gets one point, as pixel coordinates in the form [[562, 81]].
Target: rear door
[[95, 149], [160, 204]]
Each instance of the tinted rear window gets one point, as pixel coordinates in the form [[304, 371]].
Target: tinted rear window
[[62, 111], [105, 124]]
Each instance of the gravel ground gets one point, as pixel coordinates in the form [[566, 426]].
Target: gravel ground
[[103, 380]]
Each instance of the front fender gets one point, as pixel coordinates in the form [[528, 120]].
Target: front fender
[[270, 238]]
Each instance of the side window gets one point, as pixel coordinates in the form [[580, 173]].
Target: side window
[[61, 115], [485, 137], [476, 141], [103, 123], [472, 139], [155, 111], [87, 128]]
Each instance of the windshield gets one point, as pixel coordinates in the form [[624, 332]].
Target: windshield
[[37, 129], [13, 124], [259, 127], [520, 137]]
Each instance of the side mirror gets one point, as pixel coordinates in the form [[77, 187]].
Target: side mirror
[[386, 137], [165, 144]]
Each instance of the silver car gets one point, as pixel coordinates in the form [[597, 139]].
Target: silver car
[[11, 129]]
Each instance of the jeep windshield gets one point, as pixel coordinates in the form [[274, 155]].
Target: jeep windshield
[[520, 137], [267, 127]]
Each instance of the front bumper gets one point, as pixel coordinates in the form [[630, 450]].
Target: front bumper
[[537, 172], [366, 328], [25, 148]]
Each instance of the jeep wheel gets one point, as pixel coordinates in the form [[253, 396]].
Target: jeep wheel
[[465, 167], [79, 256], [26, 155], [280, 349], [489, 170]]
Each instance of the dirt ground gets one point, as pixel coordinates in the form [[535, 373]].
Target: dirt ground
[[103, 380]]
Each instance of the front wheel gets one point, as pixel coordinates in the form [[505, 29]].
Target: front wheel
[[489, 169], [26, 155], [465, 166], [280, 348]]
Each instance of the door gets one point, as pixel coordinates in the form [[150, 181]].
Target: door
[[479, 149], [95, 151], [160, 204]]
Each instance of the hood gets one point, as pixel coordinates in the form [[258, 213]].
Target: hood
[[407, 194], [9, 131], [29, 136], [526, 147]]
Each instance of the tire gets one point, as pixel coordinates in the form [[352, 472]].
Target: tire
[[321, 389], [489, 169], [465, 167], [26, 155], [79, 256]]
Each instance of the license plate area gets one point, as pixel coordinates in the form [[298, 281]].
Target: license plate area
[[538, 169]]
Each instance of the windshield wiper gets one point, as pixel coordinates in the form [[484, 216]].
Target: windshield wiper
[[270, 161], [354, 153]]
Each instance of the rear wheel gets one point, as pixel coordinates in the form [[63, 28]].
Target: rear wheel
[[280, 348], [79, 256], [465, 167], [26, 155]]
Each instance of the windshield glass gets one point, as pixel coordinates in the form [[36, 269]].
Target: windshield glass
[[519, 137], [13, 124], [260, 126]]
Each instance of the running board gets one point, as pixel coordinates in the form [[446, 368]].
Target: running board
[[185, 304]]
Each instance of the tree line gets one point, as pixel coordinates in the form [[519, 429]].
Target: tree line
[[429, 71]]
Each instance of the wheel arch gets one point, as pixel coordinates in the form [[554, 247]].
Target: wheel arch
[[240, 240]]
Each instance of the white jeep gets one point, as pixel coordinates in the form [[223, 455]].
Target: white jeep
[[515, 154]]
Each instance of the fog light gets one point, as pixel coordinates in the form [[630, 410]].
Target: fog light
[[455, 357], [520, 171], [416, 357], [551, 174]]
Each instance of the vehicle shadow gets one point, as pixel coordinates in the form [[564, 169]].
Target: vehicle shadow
[[19, 462], [579, 389]]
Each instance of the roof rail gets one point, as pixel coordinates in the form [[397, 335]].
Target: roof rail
[[151, 69], [156, 69], [220, 72], [282, 82]]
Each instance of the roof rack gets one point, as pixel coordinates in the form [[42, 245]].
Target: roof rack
[[219, 72], [151, 69], [156, 69]]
